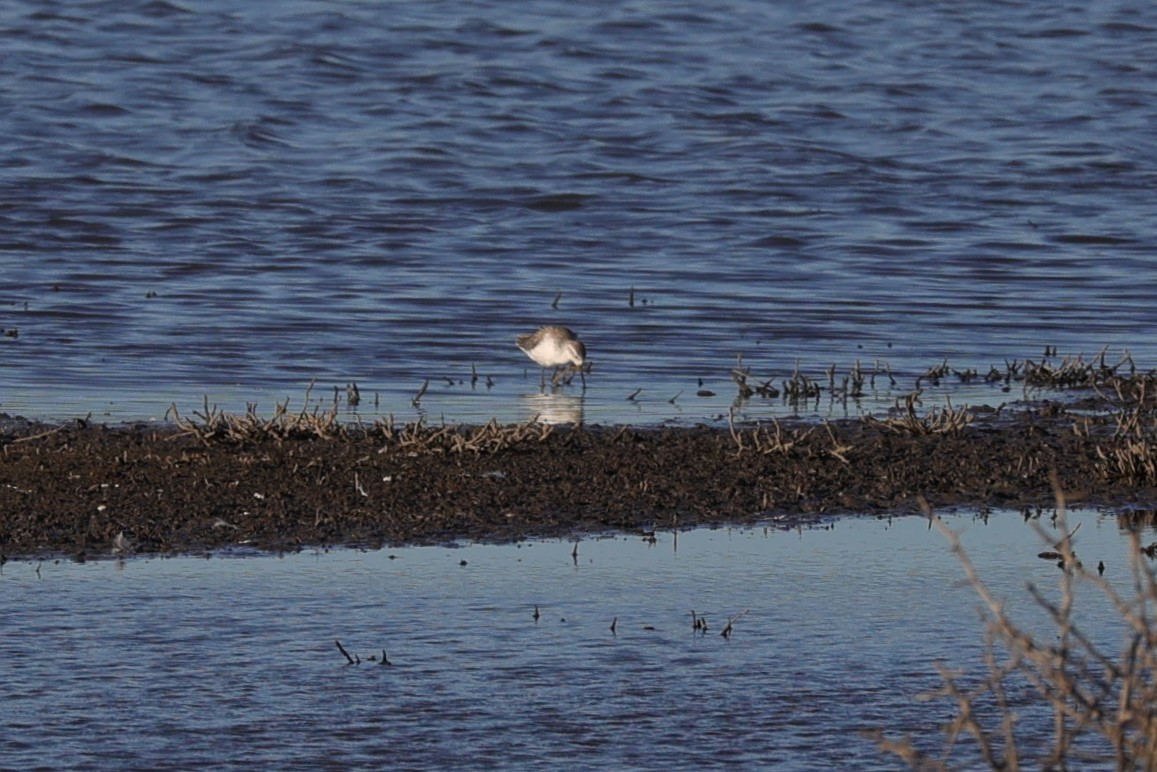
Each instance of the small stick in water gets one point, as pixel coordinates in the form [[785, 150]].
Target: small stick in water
[[343, 651], [418, 397]]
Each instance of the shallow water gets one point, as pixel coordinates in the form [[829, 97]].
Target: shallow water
[[186, 662], [209, 199]]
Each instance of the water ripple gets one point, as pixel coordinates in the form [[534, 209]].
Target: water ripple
[[262, 196]]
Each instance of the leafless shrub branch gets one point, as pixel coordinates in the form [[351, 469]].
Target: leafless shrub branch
[[1103, 706]]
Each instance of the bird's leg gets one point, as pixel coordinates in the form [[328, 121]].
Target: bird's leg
[[563, 375]]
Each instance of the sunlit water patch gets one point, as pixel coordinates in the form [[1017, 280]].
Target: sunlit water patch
[[505, 655]]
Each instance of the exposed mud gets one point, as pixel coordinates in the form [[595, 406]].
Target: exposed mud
[[94, 491]]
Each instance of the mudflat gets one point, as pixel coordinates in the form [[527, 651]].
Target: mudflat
[[289, 482]]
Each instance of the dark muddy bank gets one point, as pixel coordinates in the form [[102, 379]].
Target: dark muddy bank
[[290, 482]]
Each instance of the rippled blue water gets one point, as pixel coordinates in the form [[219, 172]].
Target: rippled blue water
[[187, 662], [233, 200]]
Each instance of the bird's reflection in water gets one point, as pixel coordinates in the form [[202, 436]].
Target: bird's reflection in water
[[553, 408]]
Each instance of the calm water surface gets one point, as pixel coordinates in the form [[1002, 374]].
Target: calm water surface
[[188, 662], [233, 200]]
